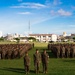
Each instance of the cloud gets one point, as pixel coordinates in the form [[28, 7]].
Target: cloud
[[73, 7], [25, 13], [64, 13], [57, 2], [60, 12], [30, 5], [52, 12]]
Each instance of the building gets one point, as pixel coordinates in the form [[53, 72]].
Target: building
[[72, 35], [16, 35], [54, 37], [65, 37], [23, 39], [64, 34], [44, 37], [9, 37]]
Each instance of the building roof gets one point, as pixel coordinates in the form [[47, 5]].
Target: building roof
[[40, 34], [72, 34], [68, 37], [23, 38]]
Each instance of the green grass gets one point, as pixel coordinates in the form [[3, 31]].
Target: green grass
[[7, 42], [56, 66]]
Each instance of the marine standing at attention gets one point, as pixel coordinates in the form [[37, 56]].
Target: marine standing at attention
[[45, 58], [37, 58], [26, 63]]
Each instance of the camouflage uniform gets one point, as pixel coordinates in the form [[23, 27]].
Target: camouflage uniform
[[67, 52], [63, 52], [12, 54], [37, 58], [72, 52], [0, 55], [3, 54], [26, 63], [45, 58], [58, 51], [33, 45]]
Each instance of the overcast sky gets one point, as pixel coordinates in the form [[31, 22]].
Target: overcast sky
[[45, 16]]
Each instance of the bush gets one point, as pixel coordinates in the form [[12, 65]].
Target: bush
[[32, 38], [17, 39], [1, 39]]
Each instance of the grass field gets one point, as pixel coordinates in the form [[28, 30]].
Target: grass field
[[56, 66]]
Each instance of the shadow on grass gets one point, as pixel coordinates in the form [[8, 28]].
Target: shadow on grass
[[70, 61], [17, 70]]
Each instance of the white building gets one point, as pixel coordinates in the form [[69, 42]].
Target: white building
[[16, 35], [64, 34], [9, 37], [44, 37], [54, 37]]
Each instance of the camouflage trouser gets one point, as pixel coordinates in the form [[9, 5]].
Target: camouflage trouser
[[45, 66], [9, 56], [63, 55], [72, 55], [67, 54], [3, 56], [58, 55], [0, 56], [37, 64], [27, 68]]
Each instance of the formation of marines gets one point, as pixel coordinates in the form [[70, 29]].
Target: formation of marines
[[38, 58], [11, 51], [62, 50]]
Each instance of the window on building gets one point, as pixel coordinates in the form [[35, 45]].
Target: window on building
[[44, 37]]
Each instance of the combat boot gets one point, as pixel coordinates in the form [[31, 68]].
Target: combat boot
[[46, 72]]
